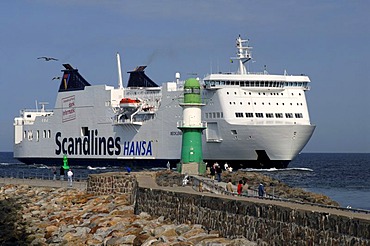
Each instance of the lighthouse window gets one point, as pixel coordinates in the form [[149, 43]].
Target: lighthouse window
[[259, 115], [289, 115], [298, 115], [249, 115], [233, 132], [239, 115]]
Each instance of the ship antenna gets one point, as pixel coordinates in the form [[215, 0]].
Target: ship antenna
[[243, 54], [120, 84]]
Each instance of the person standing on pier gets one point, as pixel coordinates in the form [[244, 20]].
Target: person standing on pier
[[54, 173], [219, 172], [213, 172], [70, 175], [261, 190], [239, 189], [61, 173]]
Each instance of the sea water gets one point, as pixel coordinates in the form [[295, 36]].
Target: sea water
[[343, 177]]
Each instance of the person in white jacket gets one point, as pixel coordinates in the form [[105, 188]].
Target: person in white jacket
[[70, 175]]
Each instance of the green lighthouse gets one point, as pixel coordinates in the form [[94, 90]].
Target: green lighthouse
[[192, 127]]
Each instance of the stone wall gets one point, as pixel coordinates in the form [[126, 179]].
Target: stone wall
[[114, 182], [272, 224], [275, 225]]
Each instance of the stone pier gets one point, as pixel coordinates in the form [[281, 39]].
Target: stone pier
[[267, 221]]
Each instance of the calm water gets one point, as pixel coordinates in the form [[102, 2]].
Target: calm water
[[343, 177]]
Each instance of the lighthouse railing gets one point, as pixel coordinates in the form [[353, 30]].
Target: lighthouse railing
[[182, 124]]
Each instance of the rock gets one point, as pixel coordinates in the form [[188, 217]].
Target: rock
[[242, 242], [59, 216], [181, 229]]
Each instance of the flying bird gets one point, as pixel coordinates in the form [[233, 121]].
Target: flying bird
[[48, 58], [56, 78]]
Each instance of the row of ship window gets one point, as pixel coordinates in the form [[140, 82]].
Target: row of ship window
[[278, 84], [269, 115], [264, 93], [241, 103], [217, 115], [29, 134]]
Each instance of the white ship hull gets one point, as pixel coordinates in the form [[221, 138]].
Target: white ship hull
[[88, 124]]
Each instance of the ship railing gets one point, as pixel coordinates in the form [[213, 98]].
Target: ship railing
[[128, 121], [22, 111], [203, 184]]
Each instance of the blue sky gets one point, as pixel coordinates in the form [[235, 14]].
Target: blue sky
[[327, 40]]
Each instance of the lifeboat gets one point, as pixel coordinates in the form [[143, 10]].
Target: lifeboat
[[129, 103]]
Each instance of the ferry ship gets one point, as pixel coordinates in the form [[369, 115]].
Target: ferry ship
[[253, 120]]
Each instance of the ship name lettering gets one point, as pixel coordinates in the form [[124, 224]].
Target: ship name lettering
[[92, 144], [138, 148]]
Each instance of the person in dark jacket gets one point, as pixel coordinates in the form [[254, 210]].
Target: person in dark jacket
[[213, 172], [61, 173], [218, 171], [261, 190]]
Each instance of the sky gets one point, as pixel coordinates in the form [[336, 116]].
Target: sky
[[327, 40]]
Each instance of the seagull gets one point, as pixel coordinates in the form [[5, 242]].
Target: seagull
[[56, 78], [47, 58]]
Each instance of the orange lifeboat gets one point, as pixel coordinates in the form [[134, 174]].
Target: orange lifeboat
[[129, 103]]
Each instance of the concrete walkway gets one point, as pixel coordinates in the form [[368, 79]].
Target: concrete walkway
[[45, 183]]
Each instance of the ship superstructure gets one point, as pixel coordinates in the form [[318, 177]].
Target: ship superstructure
[[253, 120]]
